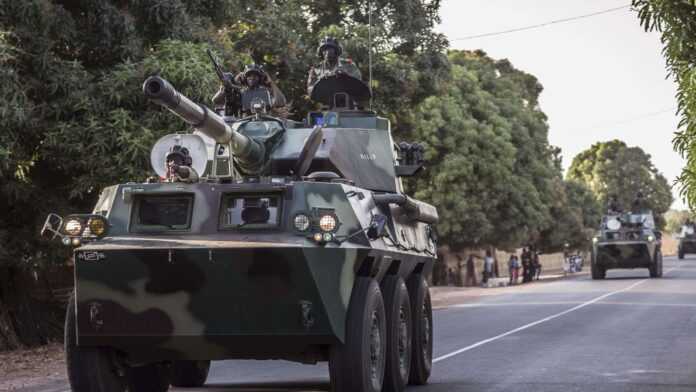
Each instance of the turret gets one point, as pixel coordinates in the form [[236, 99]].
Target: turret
[[249, 153]]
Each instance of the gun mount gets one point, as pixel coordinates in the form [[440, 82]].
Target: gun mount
[[249, 153]]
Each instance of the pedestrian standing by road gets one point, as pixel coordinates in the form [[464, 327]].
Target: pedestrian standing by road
[[515, 270], [470, 278], [487, 267], [511, 266], [537, 264], [526, 265]]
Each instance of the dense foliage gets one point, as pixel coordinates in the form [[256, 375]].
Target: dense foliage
[[674, 219], [613, 168], [495, 178], [676, 20]]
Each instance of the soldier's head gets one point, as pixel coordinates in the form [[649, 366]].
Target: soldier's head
[[253, 75], [329, 49]]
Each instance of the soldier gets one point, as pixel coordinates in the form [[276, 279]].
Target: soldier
[[254, 81], [613, 207], [332, 63], [638, 203]]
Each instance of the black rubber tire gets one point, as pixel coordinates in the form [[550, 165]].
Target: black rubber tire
[[350, 364], [422, 317], [149, 378], [680, 255], [596, 271], [656, 269], [90, 369], [74, 356], [399, 325], [189, 374]]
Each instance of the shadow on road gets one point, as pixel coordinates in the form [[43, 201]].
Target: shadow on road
[[266, 386]]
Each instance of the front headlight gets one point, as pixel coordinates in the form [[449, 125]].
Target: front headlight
[[301, 222], [73, 227], [328, 223], [97, 226], [595, 240], [651, 238]]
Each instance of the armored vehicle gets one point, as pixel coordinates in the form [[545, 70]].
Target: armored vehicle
[[627, 240], [280, 240], [687, 240]]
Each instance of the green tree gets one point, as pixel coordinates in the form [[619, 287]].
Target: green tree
[[496, 178], [674, 219], [674, 19], [613, 168]]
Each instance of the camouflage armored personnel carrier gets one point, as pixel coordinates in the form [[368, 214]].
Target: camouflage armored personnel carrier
[[687, 240], [287, 240], [627, 240]]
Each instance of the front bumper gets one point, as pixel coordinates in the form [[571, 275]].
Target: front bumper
[[687, 246], [227, 302], [624, 254]]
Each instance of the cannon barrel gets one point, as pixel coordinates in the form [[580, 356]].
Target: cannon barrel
[[246, 150]]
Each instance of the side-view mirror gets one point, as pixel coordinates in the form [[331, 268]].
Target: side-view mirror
[[377, 228]]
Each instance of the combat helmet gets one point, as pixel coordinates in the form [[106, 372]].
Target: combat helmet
[[252, 68], [329, 42]]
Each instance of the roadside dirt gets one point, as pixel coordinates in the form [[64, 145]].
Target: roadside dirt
[[22, 369]]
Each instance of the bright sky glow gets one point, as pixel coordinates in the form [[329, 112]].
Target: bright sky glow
[[603, 76]]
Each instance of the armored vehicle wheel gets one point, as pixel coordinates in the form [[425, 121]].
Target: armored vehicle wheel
[[358, 365], [597, 271], [656, 268], [78, 370], [94, 369], [422, 341], [149, 378], [399, 325], [189, 374], [681, 255]]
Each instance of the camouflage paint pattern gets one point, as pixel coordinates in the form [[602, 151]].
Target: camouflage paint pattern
[[212, 294]]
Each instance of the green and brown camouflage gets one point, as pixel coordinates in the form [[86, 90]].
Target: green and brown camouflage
[[258, 262], [628, 240]]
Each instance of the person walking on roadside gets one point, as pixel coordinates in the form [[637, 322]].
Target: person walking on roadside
[[526, 265], [470, 278], [511, 266], [537, 264], [532, 266], [515, 269]]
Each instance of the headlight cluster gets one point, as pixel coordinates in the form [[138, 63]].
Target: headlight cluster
[[319, 225], [88, 226]]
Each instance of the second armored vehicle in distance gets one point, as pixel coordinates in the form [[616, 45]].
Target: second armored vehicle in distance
[[627, 240], [687, 240]]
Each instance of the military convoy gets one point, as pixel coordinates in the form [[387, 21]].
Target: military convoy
[[275, 240], [627, 240]]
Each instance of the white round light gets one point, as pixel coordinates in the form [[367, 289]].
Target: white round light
[[689, 230], [301, 222], [595, 240], [73, 227], [613, 224], [651, 238], [327, 223], [327, 237]]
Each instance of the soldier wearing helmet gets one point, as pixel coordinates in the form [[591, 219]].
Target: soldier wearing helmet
[[254, 83], [329, 51]]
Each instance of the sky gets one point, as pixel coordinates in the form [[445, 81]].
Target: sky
[[604, 78]]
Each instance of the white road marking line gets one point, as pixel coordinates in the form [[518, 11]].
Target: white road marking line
[[501, 304], [545, 319]]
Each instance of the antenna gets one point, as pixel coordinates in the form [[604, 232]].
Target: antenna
[[369, 53]]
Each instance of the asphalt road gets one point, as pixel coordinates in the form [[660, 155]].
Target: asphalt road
[[625, 333]]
